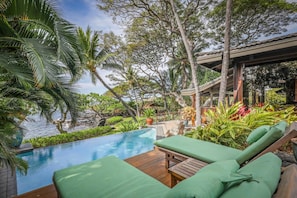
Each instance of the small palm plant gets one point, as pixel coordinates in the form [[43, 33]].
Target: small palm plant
[[149, 113]]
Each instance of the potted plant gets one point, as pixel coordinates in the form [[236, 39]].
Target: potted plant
[[149, 113], [188, 113]]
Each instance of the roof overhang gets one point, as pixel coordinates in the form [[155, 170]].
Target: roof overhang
[[274, 50], [209, 87]]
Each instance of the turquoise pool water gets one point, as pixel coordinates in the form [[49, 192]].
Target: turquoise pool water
[[44, 161]]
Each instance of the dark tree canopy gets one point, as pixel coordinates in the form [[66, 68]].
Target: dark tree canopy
[[252, 20]]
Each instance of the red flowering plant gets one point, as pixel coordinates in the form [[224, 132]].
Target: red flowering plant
[[242, 111]]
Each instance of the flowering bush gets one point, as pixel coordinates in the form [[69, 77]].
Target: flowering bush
[[188, 113], [230, 126], [242, 111]]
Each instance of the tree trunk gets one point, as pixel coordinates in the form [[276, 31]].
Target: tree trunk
[[226, 55], [116, 95], [136, 102], [189, 51], [59, 122]]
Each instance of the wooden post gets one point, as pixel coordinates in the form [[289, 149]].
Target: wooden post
[[238, 82]]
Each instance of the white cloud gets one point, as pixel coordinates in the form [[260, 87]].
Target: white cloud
[[86, 88], [89, 15], [85, 85]]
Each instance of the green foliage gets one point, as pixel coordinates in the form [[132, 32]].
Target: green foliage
[[101, 104], [69, 137], [206, 75], [223, 128], [37, 50], [288, 113], [275, 99], [7, 155], [255, 13], [149, 112], [128, 126], [114, 120]]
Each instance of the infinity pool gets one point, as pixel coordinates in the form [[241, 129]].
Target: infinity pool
[[44, 161]]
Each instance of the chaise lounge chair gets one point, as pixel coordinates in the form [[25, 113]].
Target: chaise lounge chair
[[112, 177], [262, 140]]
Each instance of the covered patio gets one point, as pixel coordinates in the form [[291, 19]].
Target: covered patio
[[271, 51]]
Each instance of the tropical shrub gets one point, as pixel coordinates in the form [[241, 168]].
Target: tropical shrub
[[69, 137], [149, 112], [128, 126], [223, 129], [114, 120], [275, 99]]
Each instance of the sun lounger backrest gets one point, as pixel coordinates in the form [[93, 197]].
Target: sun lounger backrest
[[273, 134], [291, 132]]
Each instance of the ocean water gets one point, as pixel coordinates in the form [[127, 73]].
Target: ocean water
[[37, 126]]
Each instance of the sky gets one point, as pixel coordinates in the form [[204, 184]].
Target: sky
[[85, 13]]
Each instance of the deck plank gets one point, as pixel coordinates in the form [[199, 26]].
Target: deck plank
[[151, 163]]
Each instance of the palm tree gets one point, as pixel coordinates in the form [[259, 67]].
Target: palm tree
[[180, 66], [226, 56], [95, 57], [39, 60]]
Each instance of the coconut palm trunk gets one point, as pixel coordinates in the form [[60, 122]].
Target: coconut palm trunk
[[115, 94], [191, 61], [226, 56], [94, 56]]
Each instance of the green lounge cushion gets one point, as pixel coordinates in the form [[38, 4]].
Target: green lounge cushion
[[267, 168], [235, 179], [257, 133], [266, 140], [205, 151], [265, 171], [206, 183], [107, 177], [252, 189], [282, 125]]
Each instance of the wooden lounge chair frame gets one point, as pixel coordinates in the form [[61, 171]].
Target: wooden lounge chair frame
[[175, 157]]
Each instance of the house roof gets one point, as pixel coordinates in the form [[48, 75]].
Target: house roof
[[275, 50]]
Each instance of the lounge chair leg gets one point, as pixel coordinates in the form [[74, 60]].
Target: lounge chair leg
[[167, 163], [173, 181]]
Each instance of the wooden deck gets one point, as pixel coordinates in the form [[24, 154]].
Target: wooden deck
[[152, 163]]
